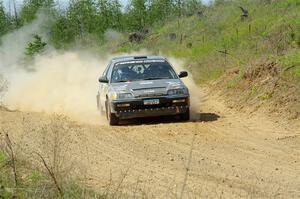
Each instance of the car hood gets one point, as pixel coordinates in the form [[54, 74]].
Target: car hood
[[148, 88]]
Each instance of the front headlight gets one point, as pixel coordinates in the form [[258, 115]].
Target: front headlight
[[178, 91], [125, 96], [117, 96], [114, 96]]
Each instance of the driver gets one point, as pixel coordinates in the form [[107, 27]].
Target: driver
[[126, 74], [158, 70]]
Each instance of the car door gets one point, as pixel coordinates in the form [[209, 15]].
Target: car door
[[103, 88]]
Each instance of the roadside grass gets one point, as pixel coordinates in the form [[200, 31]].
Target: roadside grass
[[34, 183], [220, 40], [235, 81], [291, 65], [36, 174]]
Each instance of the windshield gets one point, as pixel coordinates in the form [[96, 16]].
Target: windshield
[[137, 71]]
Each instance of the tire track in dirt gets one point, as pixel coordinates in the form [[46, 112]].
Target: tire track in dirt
[[234, 155]]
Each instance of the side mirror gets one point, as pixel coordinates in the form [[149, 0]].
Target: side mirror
[[183, 74], [103, 80]]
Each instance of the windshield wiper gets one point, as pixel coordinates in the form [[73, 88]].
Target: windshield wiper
[[154, 78], [123, 81]]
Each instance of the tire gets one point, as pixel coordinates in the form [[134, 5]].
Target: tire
[[97, 100], [185, 116], [100, 108], [113, 120]]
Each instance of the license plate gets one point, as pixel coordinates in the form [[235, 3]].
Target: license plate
[[151, 102]]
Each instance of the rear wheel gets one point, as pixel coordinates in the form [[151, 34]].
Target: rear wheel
[[111, 117], [185, 116]]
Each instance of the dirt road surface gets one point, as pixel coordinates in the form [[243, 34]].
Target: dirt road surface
[[221, 154]]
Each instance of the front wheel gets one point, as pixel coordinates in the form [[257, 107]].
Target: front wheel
[[185, 116], [101, 110], [111, 117], [99, 106]]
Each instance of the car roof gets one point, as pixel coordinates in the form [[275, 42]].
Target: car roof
[[137, 58]]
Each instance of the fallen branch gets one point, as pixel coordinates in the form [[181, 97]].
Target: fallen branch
[[223, 52], [52, 175], [288, 68], [9, 145], [120, 183]]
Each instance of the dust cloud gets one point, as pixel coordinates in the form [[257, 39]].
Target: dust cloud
[[12, 45], [66, 83], [195, 94], [61, 82]]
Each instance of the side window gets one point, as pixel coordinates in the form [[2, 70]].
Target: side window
[[109, 71], [105, 71]]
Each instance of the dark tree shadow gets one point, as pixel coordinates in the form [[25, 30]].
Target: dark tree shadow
[[149, 120], [199, 117], [206, 117]]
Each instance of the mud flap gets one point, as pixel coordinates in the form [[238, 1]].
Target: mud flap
[[97, 98]]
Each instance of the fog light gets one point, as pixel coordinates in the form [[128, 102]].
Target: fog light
[[179, 101], [123, 105]]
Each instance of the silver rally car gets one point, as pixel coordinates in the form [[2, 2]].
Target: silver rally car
[[142, 86]]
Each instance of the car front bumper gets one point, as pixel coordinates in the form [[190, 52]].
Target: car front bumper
[[136, 108]]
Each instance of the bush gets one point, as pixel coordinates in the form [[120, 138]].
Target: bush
[[35, 47]]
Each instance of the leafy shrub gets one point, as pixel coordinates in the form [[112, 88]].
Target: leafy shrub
[[35, 47]]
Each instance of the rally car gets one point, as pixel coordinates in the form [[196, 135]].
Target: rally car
[[142, 86]]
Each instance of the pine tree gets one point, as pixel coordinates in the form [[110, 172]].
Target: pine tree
[[4, 20], [30, 9], [137, 16], [109, 15], [81, 15]]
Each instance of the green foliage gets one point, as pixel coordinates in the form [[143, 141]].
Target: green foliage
[[5, 194], [3, 158], [82, 15], [161, 9], [266, 32], [137, 17], [86, 21], [4, 20], [62, 34], [35, 184], [30, 9], [202, 32], [109, 16], [291, 64], [35, 47], [265, 96], [289, 3], [75, 191], [253, 91], [34, 177], [4, 177], [235, 81]]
